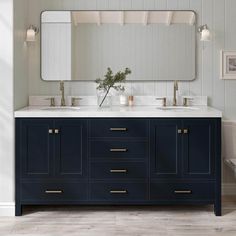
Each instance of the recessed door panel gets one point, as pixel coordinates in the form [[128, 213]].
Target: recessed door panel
[[198, 148], [165, 148], [70, 148], [36, 148]]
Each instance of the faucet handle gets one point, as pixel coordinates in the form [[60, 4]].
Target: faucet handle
[[74, 99], [163, 100], [185, 101], [52, 101]]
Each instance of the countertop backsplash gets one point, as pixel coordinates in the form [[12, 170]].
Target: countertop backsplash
[[138, 100]]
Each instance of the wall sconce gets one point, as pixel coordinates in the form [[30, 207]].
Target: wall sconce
[[205, 33], [31, 33]]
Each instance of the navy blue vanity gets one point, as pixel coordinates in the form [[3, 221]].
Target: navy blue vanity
[[118, 161]]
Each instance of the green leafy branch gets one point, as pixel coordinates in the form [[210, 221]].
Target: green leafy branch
[[111, 80]]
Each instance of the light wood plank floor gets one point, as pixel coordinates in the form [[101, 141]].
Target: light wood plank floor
[[122, 221]]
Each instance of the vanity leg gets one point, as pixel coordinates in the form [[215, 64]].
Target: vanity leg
[[18, 210], [217, 205], [217, 208]]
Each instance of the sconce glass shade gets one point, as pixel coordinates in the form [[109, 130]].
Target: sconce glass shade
[[205, 35], [31, 34]]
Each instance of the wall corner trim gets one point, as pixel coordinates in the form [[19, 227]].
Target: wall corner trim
[[7, 208]]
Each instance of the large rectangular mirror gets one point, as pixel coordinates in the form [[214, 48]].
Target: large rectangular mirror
[[155, 45]]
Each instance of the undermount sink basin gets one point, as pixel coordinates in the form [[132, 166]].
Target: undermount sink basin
[[178, 108], [61, 108]]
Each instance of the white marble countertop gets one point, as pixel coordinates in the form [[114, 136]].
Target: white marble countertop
[[117, 111]]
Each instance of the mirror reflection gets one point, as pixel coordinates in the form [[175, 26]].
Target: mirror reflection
[[81, 45]]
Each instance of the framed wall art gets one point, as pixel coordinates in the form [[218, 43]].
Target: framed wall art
[[228, 64]]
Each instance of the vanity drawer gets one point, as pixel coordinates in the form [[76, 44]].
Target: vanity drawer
[[116, 192], [119, 128], [181, 191], [118, 170], [118, 149], [33, 192]]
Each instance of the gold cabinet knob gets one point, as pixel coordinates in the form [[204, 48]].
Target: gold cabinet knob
[[56, 131], [185, 131]]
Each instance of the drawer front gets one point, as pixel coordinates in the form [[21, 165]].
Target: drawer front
[[118, 192], [118, 128], [181, 191], [53, 192], [118, 149], [118, 170]]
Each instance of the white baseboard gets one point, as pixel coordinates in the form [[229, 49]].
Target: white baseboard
[[229, 189], [7, 209]]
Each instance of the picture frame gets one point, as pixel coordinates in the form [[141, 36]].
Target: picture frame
[[227, 64]]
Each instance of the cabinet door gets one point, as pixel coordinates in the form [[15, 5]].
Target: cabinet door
[[35, 147], [71, 148], [198, 148], [165, 141]]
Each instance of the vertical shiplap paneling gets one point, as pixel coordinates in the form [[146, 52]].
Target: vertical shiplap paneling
[[196, 85], [207, 81], [113, 5], [149, 88], [171, 5], [68, 4], [218, 30], [184, 86], [136, 87], [102, 4], [230, 43], [125, 4], [160, 86], [207, 47]]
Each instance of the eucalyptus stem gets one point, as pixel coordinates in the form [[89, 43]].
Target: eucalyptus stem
[[110, 81], [105, 97]]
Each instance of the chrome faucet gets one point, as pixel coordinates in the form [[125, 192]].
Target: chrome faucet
[[176, 87], [62, 89]]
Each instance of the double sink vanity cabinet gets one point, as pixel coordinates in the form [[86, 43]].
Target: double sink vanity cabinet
[[118, 161]]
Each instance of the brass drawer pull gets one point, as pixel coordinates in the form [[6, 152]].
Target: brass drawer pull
[[56, 131], [118, 191], [118, 171], [185, 131], [54, 191], [118, 129], [50, 131], [118, 150], [183, 191]]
